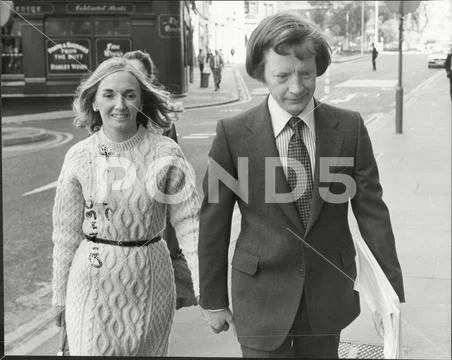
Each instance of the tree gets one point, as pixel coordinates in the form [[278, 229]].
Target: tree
[[420, 17], [320, 12]]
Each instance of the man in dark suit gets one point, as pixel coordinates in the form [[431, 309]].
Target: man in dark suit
[[292, 164], [216, 64]]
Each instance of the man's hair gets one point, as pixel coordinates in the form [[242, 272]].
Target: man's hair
[[158, 108], [280, 31], [145, 59]]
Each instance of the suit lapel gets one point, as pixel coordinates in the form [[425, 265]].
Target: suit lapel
[[262, 145], [328, 144]]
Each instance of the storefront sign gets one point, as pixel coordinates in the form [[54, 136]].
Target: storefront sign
[[169, 26], [68, 56], [107, 48], [33, 9], [106, 8]]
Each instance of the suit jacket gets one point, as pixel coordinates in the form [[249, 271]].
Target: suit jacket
[[271, 268]]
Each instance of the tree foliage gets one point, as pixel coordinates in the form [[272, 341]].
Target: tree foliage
[[340, 17]]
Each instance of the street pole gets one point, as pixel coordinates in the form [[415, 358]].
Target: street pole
[[399, 88], [362, 27], [376, 23]]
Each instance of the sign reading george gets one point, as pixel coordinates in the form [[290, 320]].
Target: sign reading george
[[107, 48], [84, 8], [33, 9], [169, 26], [68, 56]]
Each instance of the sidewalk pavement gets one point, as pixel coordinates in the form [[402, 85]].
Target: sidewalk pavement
[[415, 172]]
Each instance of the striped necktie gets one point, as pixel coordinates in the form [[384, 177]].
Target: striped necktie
[[299, 171]]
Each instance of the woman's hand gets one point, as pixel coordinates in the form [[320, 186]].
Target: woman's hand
[[60, 320]]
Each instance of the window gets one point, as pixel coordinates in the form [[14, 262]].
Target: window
[[112, 27], [12, 55], [79, 27], [55, 27]]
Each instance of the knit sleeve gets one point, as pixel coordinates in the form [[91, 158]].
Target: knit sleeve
[[67, 225], [183, 205]]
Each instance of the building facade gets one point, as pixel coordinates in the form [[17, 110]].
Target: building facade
[[48, 46]]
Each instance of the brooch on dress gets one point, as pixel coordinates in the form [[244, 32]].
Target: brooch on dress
[[94, 257], [104, 150]]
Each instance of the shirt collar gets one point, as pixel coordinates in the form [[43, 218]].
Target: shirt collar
[[280, 117]]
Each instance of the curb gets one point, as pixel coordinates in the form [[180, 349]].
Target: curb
[[347, 59], [30, 330], [18, 136]]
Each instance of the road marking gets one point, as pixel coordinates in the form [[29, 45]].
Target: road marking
[[36, 341], [231, 110], [368, 83], [373, 117], [259, 91], [41, 189], [29, 330], [348, 98], [59, 138], [191, 137]]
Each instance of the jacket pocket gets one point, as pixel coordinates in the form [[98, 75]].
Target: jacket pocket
[[245, 262]]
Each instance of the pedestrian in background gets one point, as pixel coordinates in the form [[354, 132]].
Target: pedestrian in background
[[208, 56], [216, 65], [292, 292], [182, 276], [201, 60], [448, 68], [112, 275], [374, 57]]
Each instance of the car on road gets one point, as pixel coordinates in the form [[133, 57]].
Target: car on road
[[437, 57]]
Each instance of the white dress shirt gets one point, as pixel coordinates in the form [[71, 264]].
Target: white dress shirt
[[283, 132]]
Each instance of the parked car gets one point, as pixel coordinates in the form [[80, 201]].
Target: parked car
[[437, 57]]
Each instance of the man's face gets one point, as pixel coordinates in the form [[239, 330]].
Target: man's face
[[291, 81]]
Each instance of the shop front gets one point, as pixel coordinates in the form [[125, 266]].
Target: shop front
[[48, 46]]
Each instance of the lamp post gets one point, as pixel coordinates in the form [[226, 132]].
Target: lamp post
[[402, 8], [362, 27], [399, 88]]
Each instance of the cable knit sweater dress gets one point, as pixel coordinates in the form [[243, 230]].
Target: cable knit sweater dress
[[121, 300]]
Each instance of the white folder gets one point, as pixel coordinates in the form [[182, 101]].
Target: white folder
[[373, 285]]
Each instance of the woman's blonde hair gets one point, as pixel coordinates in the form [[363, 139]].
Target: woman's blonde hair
[[157, 103]]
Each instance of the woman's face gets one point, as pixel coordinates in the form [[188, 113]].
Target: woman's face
[[118, 100]]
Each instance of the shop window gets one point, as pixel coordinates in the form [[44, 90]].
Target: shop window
[[12, 55], [112, 27], [80, 27], [54, 27]]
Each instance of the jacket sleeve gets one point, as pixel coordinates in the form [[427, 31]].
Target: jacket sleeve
[[215, 224], [371, 212], [67, 226], [183, 210]]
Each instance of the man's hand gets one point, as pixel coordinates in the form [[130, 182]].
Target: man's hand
[[219, 320], [378, 323], [60, 319]]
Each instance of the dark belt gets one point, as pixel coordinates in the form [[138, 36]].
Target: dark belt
[[123, 243]]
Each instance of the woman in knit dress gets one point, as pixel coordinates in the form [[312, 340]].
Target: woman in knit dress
[[185, 295], [112, 273]]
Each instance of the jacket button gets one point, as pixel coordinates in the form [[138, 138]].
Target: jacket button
[[301, 271]]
